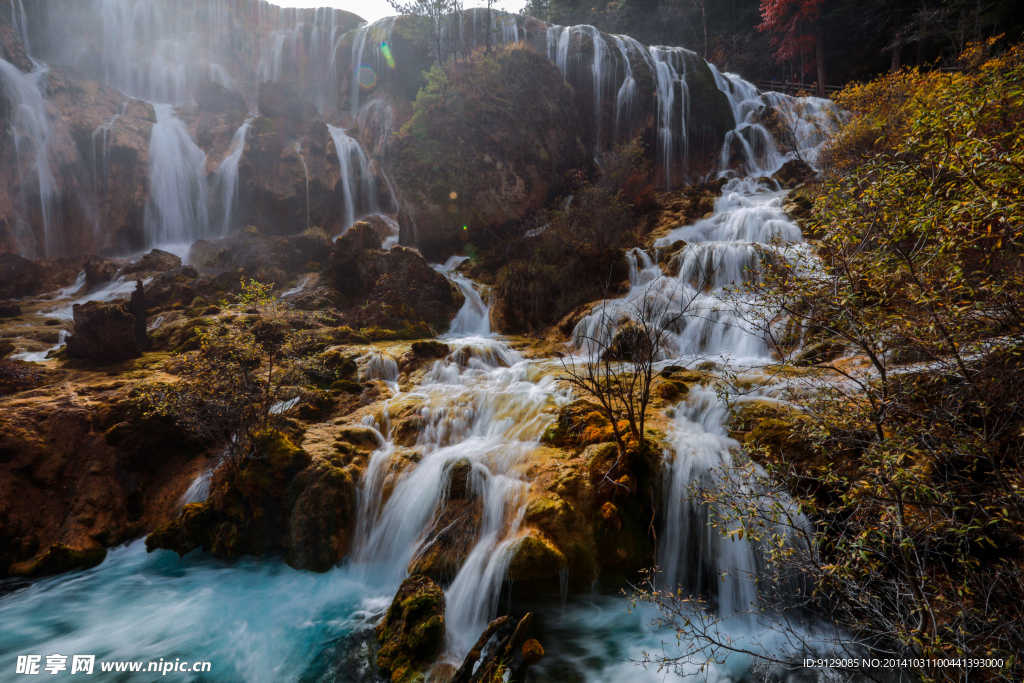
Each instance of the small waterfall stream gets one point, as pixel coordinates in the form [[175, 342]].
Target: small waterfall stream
[[177, 212], [226, 177]]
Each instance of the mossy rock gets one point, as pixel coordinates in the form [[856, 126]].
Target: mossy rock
[[413, 630], [430, 349], [534, 557], [60, 558], [322, 514], [359, 437], [345, 386]]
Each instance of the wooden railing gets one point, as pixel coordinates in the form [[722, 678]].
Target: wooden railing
[[794, 88]]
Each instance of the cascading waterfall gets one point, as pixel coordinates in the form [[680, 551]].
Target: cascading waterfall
[[19, 20], [473, 319], [559, 40], [369, 69], [359, 194], [32, 133], [177, 213], [226, 178]]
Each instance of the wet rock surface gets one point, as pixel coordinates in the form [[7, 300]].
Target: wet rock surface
[[412, 632]]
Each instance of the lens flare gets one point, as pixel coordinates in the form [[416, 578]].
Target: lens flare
[[385, 50], [366, 77]]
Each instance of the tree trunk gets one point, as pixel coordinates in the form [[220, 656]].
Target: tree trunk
[[897, 54], [819, 53]]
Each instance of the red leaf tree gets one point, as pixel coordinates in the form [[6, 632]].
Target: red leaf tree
[[796, 29]]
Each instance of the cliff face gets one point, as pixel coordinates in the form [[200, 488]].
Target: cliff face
[[77, 151]]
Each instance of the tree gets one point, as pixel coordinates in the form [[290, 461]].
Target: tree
[[902, 453], [437, 15], [231, 383], [796, 29]]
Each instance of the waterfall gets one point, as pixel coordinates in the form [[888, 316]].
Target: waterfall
[[368, 70], [226, 177], [484, 405], [474, 318], [32, 133], [359, 195], [19, 20], [305, 169], [176, 213], [559, 39]]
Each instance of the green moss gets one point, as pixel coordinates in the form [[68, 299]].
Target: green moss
[[535, 558], [61, 558]]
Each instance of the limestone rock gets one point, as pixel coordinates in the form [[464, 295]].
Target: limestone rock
[[103, 332], [412, 632], [19, 277], [156, 261], [392, 289], [216, 99]]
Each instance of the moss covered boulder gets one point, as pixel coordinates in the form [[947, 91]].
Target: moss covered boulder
[[412, 632]]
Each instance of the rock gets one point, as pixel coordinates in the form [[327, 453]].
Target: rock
[[156, 261], [320, 525], [395, 289], [103, 332], [480, 162], [12, 49], [280, 100], [19, 277], [820, 352], [216, 99], [58, 559], [534, 557], [99, 270], [449, 542], [793, 173], [9, 309], [252, 510], [137, 307], [413, 630], [430, 349]]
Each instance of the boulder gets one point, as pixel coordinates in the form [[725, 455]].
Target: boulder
[[19, 277], [9, 309], [793, 173], [12, 49], [99, 270], [216, 99], [320, 524], [412, 632], [58, 559], [103, 331], [156, 261], [535, 557], [394, 289]]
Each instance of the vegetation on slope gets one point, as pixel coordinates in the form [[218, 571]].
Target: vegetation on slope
[[911, 467]]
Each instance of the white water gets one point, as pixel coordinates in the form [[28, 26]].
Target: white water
[[358, 185], [32, 132], [226, 178], [177, 209], [474, 318], [41, 356]]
